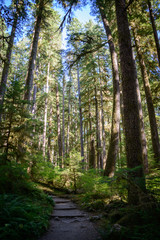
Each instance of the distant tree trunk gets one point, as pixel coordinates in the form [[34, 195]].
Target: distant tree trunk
[[99, 155], [114, 141], [59, 127], [131, 108], [68, 122], [92, 156], [80, 116], [150, 106], [34, 100], [45, 114], [92, 159], [154, 29], [63, 122], [7, 64], [33, 54], [49, 136], [35, 92], [102, 121]]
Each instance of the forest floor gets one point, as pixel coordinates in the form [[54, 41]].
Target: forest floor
[[68, 222]]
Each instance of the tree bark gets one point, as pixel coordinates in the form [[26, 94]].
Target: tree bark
[[148, 94], [99, 155], [80, 116], [131, 107], [59, 127], [45, 114], [63, 122], [68, 122], [92, 160], [154, 29], [102, 120], [34, 100], [114, 141], [33, 54], [49, 136]]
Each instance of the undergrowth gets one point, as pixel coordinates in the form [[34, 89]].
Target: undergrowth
[[107, 197], [24, 209]]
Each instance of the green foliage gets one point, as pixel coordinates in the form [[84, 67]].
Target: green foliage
[[24, 209], [22, 217], [133, 223], [13, 179]]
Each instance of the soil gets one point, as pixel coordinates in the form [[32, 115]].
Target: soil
[[69, 223]]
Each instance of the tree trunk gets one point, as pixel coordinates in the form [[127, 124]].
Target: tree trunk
[[34, 100], [80, 116], [92, 159], [63, 122], [150, 106], [45, 114], [114, 141], [99, 155], [49, 136], [68, 122], [143, 135], [32, 59], [131, 108], [102, 121], [7, 64], [59, 127], [154, 29]]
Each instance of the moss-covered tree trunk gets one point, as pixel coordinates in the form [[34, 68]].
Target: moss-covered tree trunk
[[148, 94], [114, 141], [131, 108]]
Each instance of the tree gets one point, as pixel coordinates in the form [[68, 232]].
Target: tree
[[113, 146], [33, 53], [45, 112], [80, 114], [131, 109], [154, 29], [59, 127], [18, 11]]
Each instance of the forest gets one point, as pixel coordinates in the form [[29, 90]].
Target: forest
[[83, 120]]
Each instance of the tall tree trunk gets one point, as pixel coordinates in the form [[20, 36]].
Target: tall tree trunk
[[102, 120], [143, 135], [154, 29], [114, 141], [92, 159], [150, 106], [45, 113], [99, 155], [63, 122], [7, 64], [59, 127], [33, 54], [68, 122], [131, 108], [49, 136], [80, 116]]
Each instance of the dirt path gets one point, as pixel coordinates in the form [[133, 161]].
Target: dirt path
[[69, 223]]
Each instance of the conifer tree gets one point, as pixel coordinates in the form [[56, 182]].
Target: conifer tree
[[131, 109]]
